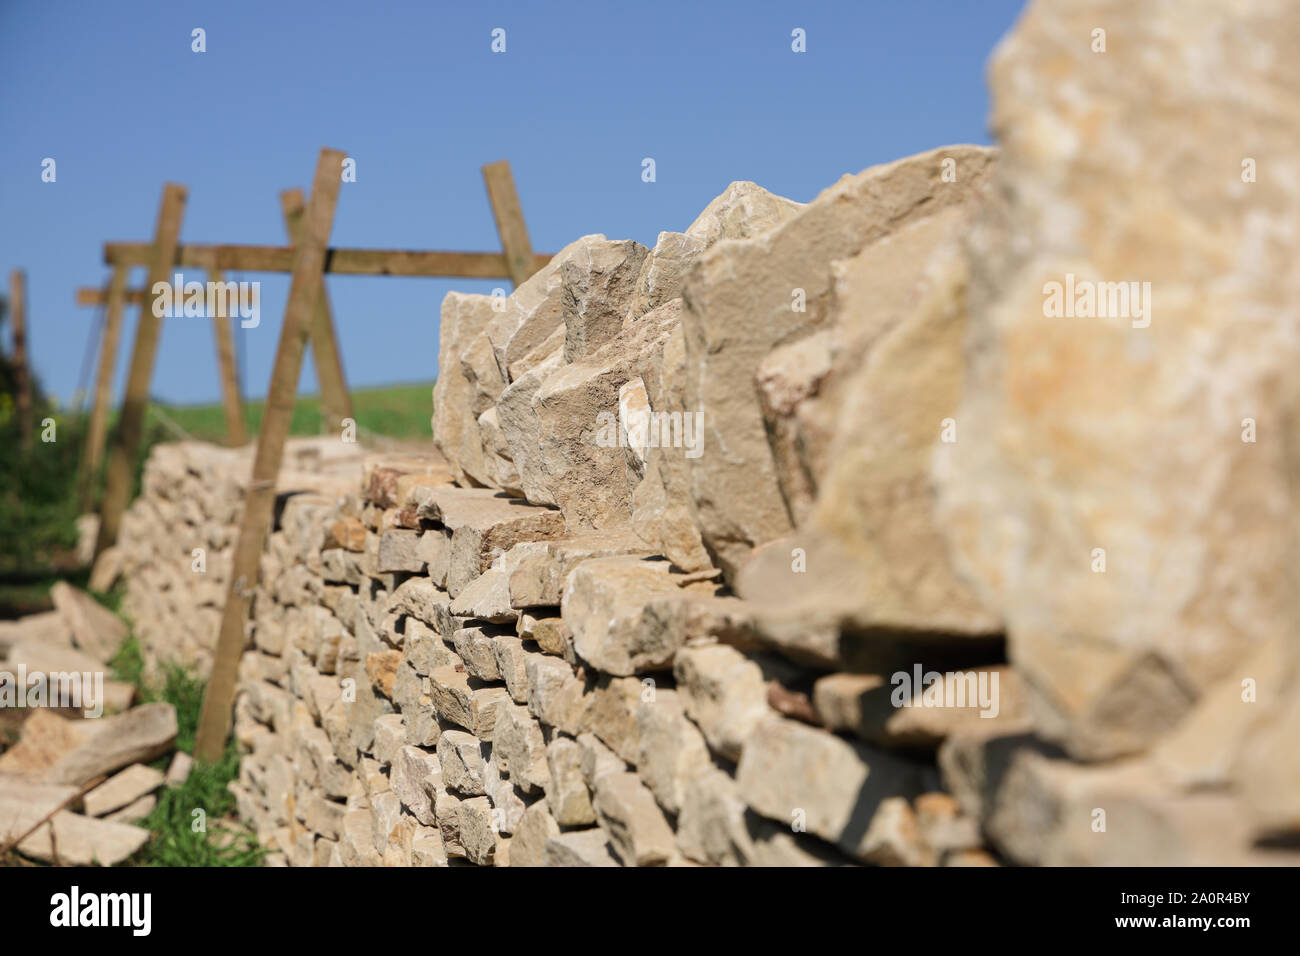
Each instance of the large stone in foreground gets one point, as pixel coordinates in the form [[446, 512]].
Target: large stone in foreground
[[1049, 812], [1265, 766], [804, 593], [1130, 381], [874, 492]]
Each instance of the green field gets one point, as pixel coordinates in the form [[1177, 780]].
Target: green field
[[393, 411]]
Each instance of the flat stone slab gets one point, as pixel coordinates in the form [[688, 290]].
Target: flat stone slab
[[72, 839], [123, 788], [136, 736]]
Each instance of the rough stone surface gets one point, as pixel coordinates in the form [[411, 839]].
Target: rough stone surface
[[598, 289], [604, 604], [790, 772], [670, 748], [739, 304], [568, 799], [577, 414], [724, 693], [528, 845], [1114, 660], [637, 830]]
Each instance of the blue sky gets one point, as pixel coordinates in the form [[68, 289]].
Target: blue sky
[[412, 91]]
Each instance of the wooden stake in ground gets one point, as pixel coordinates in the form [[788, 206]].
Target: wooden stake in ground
[[231, 402], [304, 291], [95, 434], [336, 403], [126, 443], [23, 381], [509, 217]]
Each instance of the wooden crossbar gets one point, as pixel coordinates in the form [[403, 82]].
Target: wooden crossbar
[[91, 296], [357, 262]]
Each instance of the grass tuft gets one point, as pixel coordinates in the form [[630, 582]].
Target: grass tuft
[[182, 836]]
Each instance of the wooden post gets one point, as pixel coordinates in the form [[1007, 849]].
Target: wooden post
[[94, 451], [126, 443], [336, 403], [509, 217], [231, 402], [304, 292], [23, 380]]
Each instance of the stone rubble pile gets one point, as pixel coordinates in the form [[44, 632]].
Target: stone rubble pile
[[813, 536], [76, 782]]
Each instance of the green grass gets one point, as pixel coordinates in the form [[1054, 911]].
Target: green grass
[[394, 411], [175, 840]]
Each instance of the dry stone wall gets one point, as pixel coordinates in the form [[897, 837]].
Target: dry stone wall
[[813, 535], [178, 537], [443, 674]]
